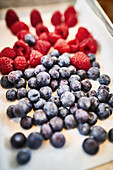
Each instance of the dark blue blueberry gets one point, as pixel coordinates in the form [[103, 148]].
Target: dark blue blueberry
[[90, 146], [78, 94], [99, 134], [103, 95], [33, 95], [55, 60], [9, 111], [39, 68], [84, 129], [70, 122], [50, 109], [94, 103], [57, 140], [104, 111], [63, 82], [46, 131], [21, 93], [5, 82], [39, 117], [75, 85], [56, 67], [66, 54], [29, 73], [11, 95], [56, 124], [34, 140], [18, 140], [55, 99], [110, 135], [67, 99], [23, 156], [39, 104], [27, 103], [111, 100], [21, 109], [54, 53], [61, 89], [30, 39], [73, 109], [82, 74], [93, 73], [26, 122], [81, 116], [86, 85], [84, 103], [14, 77], [43, 79], [54, 74], [92, 118], [92, 57], [64, 72], [73, 78], [103, 87], [63, 61], [46, 92], [95, 64], [32, 83], [21, 83], [104, 79], [47, 61], [54, 84], [72, 69], [63, 112], [92, 93]]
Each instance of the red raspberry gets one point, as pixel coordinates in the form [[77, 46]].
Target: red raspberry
[[21, 34], [8, 52], [6, 65], [56, 18], [18, 26], [62, 30], [62, 46], [53, 37], [70, 11], [22, 49], [74, 45], [44, 36], [20, 63], [40, 28], [35, 58], [71, 21], [35, 17], [80, 61], [88, 45], [11, 17], [42, 46], [82, 34]]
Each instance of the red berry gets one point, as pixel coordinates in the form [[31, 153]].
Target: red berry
[[11, 17], [80, 61], [74, 45], [6, 65], [21, 34], [71, 21], [40, 28], [35, 17], [44, 36], [22, 49], [18, 26], [62, 30], [70, 11], [20, 63], [56, 18], [42, 46], [62, 46], [35, 58], [82, 34], [8, 52], [53, 37]]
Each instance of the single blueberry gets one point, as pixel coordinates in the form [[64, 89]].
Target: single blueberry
[[75, 85], [46, 131], [32, 83], [63, 61], [92, 118], [54, 53], [93, 73], [47, 61], [11, 95], [55, 60], [21, 93], [14, 77], [103, 96], [46, 92], [63, 88], [86, 85], [63, 82], [64, 72], [43, 79], [73, 78], [23, 156], [20, 109], [84, 103], [110, 135], [18, 140], [30, 39], [27, 103], [5, 83], [82, 74], [72, 69], [84, 129], [70, 122], [56, 124], [104, 79], [33, 95], [39, 104], [39, 117], [9, 111], [104, 111], [63, 112], [95, 64], [54, 85], [39, 68], [78, 95], [67, 99], [56, 67], [26, 122], [94, 103], [21, 83], [29, 73], [50, 109], [81, 116], [103, 87], [54, 73], [57, 140], [92, 57]]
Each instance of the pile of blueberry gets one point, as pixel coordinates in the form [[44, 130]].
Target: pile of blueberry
[[73, 103]]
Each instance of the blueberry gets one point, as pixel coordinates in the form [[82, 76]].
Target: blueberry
[[93, 73], [26, 122], [34, 140], [92, 118], [75, 85], [5, 83], [30, 39], [104, 111], [14, 77], [81, 116], [39, 117], [46, 131], [63, 112], [54, 84], [92, 57], [9, 111], [63, 82], [92, 93], [27, 103], [78, 95], [32, 83], [57, 140], [50, 109], [61, 89], [21, 83], [103, 95], [39, 68], [110, 135], [54, 73], [47, 61], [90, 146], [23, 156], [72, 69], [73, 108], [84, 129], [99, 134], [84, 103], [56, 124], [70, 122], [66, 54], [95, 64], [21, 92], [73, 78], [54, 53], [46, 92], [111, 101], [29, 73], [103, 87], [86, 85], [39, 104], [43, 79], [67, 99], [56, 67], [82, 74], [55, 99], [64, 72], [33, 95], [21, 109], [94, 103], [104, 79], [55, 60], [63, 61], [18, 140], [11, 95]]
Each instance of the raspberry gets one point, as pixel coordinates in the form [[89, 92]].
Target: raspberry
[[82, 34], [62, 46], [11, 17], [40, 28], [20, 63], [56, 18], [80, 61], [71, 21], [70, 11], [6, 65], [88, 45], [74, 45], [21, 34], [22, 49], [53, 37], [35, 58], [35, 17], [8, 52], [44, 36], [62, 30], [18, 26], [42, 46]]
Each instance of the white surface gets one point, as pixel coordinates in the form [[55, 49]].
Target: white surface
[[71, 156]]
